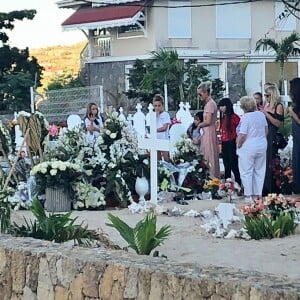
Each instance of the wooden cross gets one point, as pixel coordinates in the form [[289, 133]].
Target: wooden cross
[[153, 144]]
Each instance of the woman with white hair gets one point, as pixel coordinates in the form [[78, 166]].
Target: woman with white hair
[[252, 148]]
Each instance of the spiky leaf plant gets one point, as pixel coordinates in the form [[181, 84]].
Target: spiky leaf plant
[[144, 237], [54, 227]]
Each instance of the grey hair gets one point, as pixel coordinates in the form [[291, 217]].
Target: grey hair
[[248, 104]]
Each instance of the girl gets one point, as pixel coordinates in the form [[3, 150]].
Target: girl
[[228, 124], [93, 123], [163, 121]]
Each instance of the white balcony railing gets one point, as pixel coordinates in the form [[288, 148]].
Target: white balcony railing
[[101, 46]]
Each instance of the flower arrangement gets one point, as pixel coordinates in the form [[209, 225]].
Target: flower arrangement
[[282, 174], [119, 144], [186, 150], [53, 132], [212, 185], [55, 173], [175, 121], [228, 187], [273, 217], [196, 172], [5, 139], [88, 196]]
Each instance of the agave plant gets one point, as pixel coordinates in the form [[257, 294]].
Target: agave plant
[[144, 237], [54, 227]]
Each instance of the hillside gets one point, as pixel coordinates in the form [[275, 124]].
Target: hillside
[[58, 59]]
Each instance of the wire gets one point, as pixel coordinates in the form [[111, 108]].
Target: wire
[[177, 6]]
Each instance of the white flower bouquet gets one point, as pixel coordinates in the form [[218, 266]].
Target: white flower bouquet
[[88, 196], [55, 173]]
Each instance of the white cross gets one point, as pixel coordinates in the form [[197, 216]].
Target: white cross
[[153, 144]]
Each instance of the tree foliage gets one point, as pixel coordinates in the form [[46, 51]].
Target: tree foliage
[[64, 80], [18, 71], [283, 49], [182, 78]]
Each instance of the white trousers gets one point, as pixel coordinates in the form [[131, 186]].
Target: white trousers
[[252, 166]]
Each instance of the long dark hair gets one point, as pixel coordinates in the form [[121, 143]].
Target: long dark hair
[[295, 93], [229, 112], [193, 127], [89, 112]]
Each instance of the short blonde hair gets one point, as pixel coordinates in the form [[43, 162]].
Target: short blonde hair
[[205, 87], [248, 104]]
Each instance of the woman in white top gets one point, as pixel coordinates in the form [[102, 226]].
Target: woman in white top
[[93, 123], [252, 148], [163, 121]]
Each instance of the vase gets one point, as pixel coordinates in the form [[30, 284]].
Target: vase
[[141, 187], [57, 200]]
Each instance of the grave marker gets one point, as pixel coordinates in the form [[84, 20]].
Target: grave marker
[[153, 144]]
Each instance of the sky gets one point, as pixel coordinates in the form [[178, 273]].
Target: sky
[[45, 28]]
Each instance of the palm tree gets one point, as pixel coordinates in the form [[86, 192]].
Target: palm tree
[[166, 68], [283, 49]]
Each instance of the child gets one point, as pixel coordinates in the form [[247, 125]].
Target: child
[[93, 123], [163, 122], [229, 122], [193, 132]]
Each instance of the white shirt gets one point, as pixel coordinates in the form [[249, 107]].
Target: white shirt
[[253, 125], [92, 136], [161, 119]]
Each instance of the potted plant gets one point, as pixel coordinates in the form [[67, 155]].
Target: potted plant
[[56, 178]]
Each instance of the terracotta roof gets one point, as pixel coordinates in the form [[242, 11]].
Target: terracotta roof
[[105, 16]]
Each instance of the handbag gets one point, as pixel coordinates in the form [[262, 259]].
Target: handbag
[[280, 141]]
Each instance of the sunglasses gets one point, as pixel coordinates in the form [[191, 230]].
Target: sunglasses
[[267, 95]]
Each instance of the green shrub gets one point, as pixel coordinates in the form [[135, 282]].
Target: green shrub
[[54, 227], [273, 218], [143, 238], [264, 227]]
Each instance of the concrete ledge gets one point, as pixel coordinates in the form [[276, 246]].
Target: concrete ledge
[[33, 269]]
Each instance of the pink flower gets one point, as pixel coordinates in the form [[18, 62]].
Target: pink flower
[[53, 130]]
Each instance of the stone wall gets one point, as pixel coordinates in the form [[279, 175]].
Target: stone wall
[[32, 269]]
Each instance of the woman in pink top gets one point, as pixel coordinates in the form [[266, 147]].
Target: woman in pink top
[[209, 144]]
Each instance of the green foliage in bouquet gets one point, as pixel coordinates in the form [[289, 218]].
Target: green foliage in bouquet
[[54, 227], [144, 237], [273, 218]]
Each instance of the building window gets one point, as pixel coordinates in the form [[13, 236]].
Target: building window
[[233, 21], [213, 70], [285, 22], [179, 19]]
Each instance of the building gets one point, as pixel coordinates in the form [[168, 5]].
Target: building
[[220, 34]]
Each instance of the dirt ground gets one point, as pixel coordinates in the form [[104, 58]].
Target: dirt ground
[[189, 243]]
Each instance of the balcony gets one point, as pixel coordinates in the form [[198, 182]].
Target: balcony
[[101, 46]]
